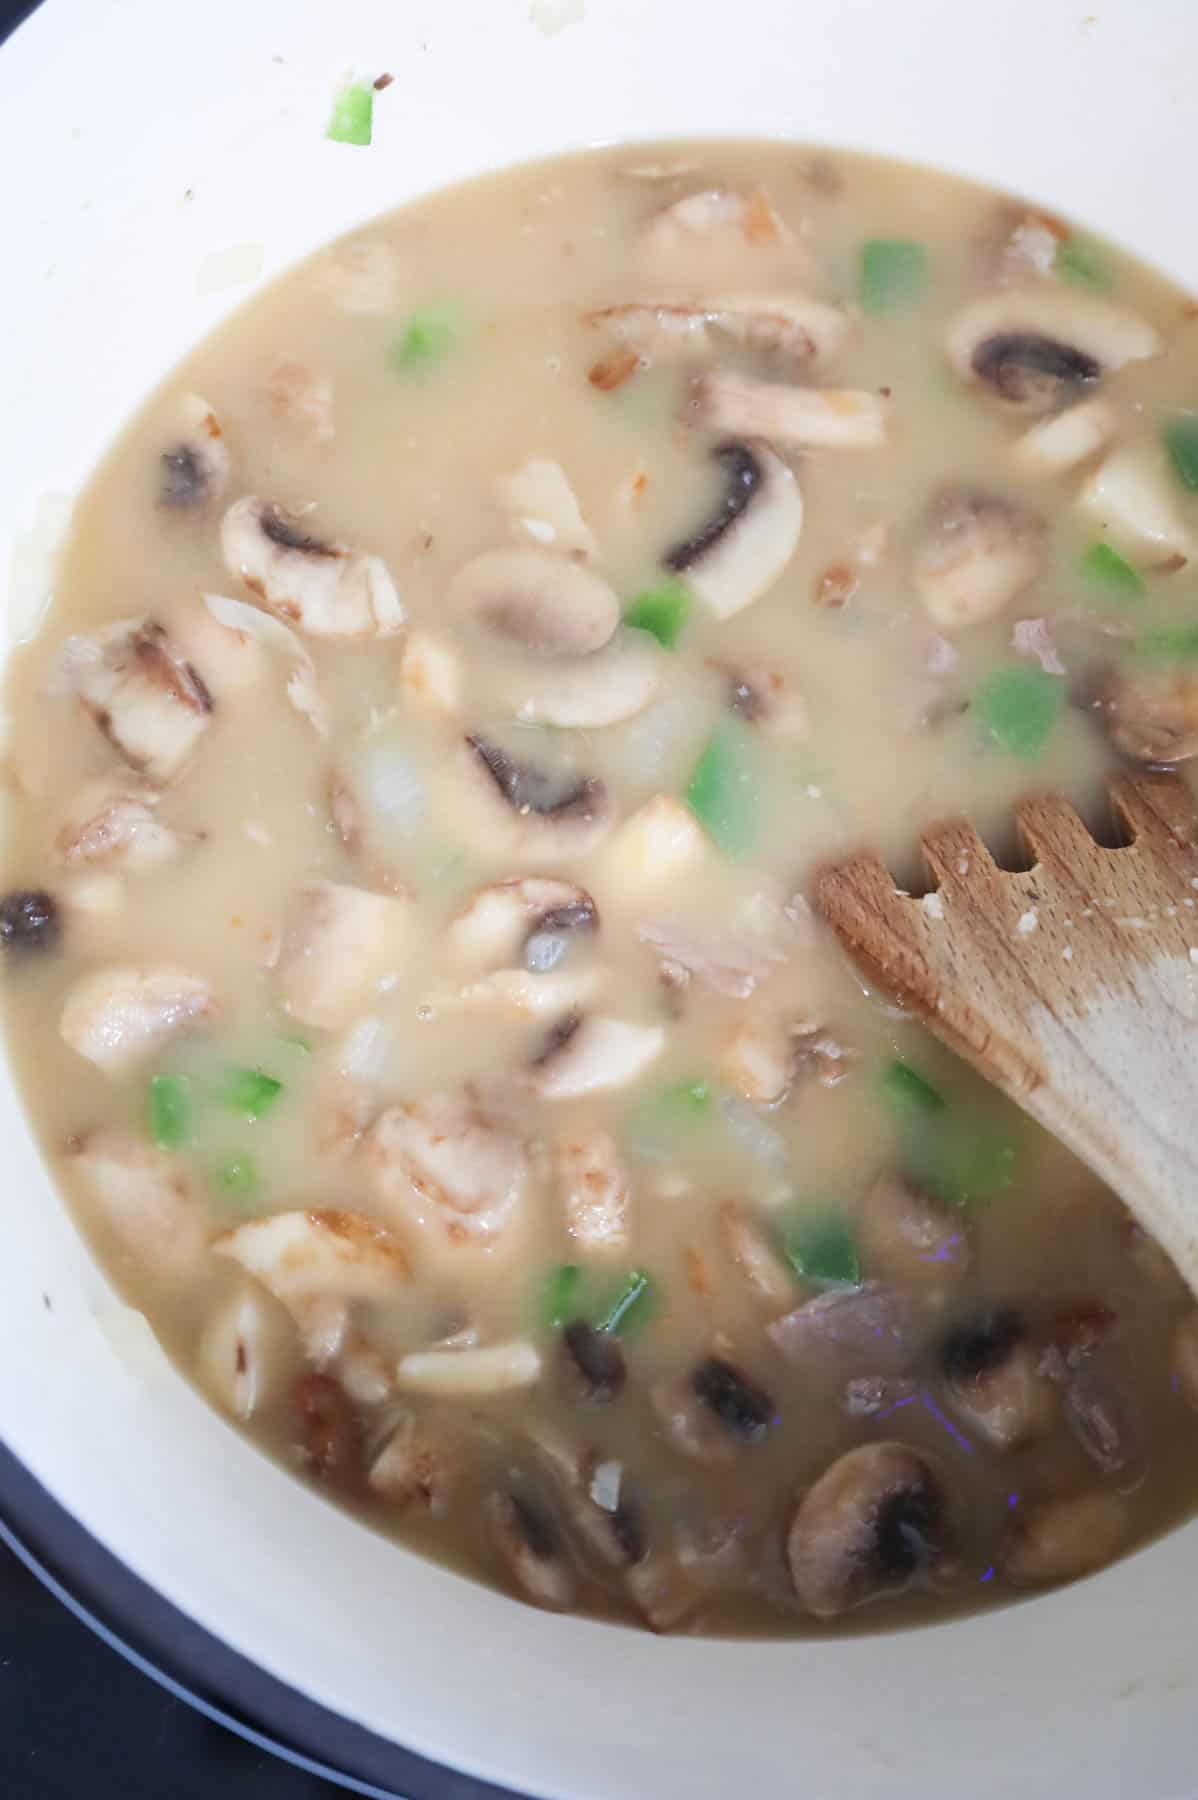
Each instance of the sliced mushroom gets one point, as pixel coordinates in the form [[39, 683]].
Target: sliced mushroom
[[1150, 711], [691, 1427], [327, 589], [595, 1361], [594, 1055], [873, 1525], [1091, 1404], [451, 1170], [1040, 348], [195, 470], [995, 1380], [302, 1256], [151, 704], [1130, 497], [430, 675], [528, 1543], [604, 1514], [743, 548], [543, 506], [501, 921], [30, 922], [799, 331], [587, 694], [144, 1200], [767, 698], [112, 822], [908, 1237], [489, 1369], [745, 1410], [801, 417], [540, 601], [334, 941], [301, 399], [595, 1191], [755, 1257], [543, 811], [1060, 1539], [414, 1468], [117, 1017], [977, 554], [1185, 1358], [1067, 439], [246, 1353]]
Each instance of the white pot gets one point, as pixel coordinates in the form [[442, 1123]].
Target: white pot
[[160, 162]]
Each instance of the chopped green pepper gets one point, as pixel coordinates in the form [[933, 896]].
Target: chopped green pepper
[[630, 1306], [963, 1162], [353, 116], [1181, 441], [561, 1295], [662, 611], [1111, 574], [238, 1175], [170, 1111], [429, 335], [722, 788], [1178, 644], [821, 1248], [693, 1097], [1081, 262], [1019, 706], [894, 273], [252, 1092], [909, 1092]]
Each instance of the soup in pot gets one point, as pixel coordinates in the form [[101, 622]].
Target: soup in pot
[[457, 676]]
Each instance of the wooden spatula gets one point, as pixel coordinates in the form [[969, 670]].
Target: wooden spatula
[[1072, 986]]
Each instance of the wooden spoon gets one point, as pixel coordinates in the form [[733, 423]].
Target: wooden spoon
[[1072, 986]]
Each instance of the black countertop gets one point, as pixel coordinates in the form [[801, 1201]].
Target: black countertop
[[77, 1722]]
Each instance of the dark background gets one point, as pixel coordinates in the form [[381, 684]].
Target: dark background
[[76, 1721]]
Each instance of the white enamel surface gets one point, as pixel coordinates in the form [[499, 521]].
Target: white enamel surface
[[111, 111]]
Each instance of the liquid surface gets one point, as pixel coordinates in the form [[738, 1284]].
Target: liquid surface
[[410, 966]]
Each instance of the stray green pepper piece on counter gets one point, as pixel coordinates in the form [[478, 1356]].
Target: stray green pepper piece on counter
[[1180, 437], [170, 1111], [430, 334], [562, 1295], [353, 116], [1019, 707], [910, 1094], [630, 1306], [820, 1248], [722, 789], [894, 273], [1111, 574], [252, 1092], [662, 611]]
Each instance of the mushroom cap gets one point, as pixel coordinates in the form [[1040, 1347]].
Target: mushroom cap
[[740, 551], [533, 811], [873, 1524], [1034, 346], [585, 693], [540, 601], [1151, 712]]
